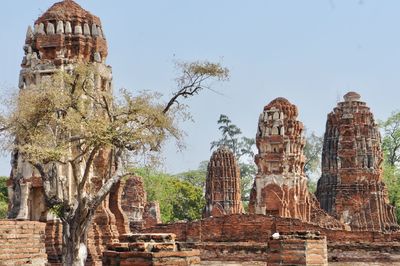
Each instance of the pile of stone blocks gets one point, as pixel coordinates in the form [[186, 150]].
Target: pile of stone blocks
[[150, 250]]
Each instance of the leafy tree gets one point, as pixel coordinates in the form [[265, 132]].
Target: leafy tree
[[3, 197], [242, 147], [391, 177], [195, 177], [391, 139], [70, 113], [313, 153], [391, 150], [179, 199], [231, 137], [188, 201]]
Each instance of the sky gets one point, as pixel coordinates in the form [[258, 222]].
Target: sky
[[311, 52]]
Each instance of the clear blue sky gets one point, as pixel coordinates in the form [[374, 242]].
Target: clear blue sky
[[310, 52]]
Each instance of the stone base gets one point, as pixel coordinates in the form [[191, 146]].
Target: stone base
[[149, 250], [298, 249]]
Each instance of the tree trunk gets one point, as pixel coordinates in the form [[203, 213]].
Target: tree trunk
[[74, 248]]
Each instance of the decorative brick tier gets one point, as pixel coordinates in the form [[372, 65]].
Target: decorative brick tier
[[22, 243], [148, 250]]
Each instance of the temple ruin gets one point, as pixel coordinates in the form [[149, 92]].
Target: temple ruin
[[280, 186], [140, 212], [351, 187], [222, 185], [349, 220], [62, 38]]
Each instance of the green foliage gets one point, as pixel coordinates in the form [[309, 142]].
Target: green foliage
[[248, 171], [3, 197], [391, 177], [391, 139], [196, 178], [391, 167], [231, 137], [312, 152], [179, 199], [312, 186]]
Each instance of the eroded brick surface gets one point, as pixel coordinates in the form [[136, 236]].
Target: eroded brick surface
[[222, 185], [280, 186], [351, 187], [141, 213], [150, 249], [22, 243]]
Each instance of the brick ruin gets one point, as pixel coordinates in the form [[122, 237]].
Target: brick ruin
[[351, 187], [148, 250], [280, 202], [352, 212], [64, 36], [222, 185], [280, 186], [141, 214]]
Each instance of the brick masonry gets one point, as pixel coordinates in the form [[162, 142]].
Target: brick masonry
[[351, 187], [22, 243], [223, 185]]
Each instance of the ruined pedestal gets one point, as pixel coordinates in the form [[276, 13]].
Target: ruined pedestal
[[351, 187], [297, 249], [149, 250], [223, 185]]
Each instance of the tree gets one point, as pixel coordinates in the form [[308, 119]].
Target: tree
[[69, 121], [195, 177], [391, 139], [179, 199], [391, 177], [231, 138], [391, 151], [3, 197], [242, 148], [313, 153]]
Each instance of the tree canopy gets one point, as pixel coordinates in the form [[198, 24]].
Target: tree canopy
[[69, 119]]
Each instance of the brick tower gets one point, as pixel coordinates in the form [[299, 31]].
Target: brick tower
[[65, 36], [351, 187], [223, 185], [280, 187]]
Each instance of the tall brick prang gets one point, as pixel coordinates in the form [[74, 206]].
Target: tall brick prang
[[280, 187], [351, 187], [223, 185], [63, 38]]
